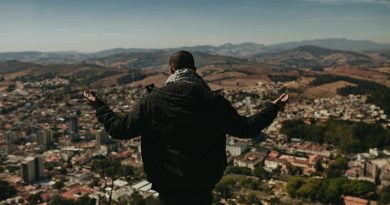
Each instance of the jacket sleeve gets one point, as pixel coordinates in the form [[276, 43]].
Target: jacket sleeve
[[122, 127], [247, 127]]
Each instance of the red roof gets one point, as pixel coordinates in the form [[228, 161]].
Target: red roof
[[77, 191], [350, 200], [14, 179]]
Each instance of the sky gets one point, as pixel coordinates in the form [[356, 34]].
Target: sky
[[93, 25]]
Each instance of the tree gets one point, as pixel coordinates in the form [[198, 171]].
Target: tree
[[127, 170], [332, 192], [341, 134], [347, 136], [35, 199], [293, 184], [252, 199], [337, 168], [261, 173], [329, 190], [6, 190], [12, 169], [58, 185], [359, 188], [250, 183], [275, 201], [137, 199], [384, 197], [310, 189], [84, 200], [224, 186], [238, 170]]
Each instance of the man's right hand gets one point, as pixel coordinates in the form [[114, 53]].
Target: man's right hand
[[281, 101], [90, 96]]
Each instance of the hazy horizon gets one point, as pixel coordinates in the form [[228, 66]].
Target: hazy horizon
[[183, 46], [89, 26]]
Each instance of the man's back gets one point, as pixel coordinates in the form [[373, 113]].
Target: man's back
[[183, 127], [184, 147]]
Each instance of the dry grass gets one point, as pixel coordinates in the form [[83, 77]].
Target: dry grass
[[363, 74], [108, 81], [328, 90], [383, 69], [222, 76], [18, 74], [241, 82], [158, 80]]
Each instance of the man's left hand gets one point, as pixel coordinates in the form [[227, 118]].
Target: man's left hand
[[281, 101]]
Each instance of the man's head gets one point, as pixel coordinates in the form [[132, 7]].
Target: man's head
[[180, 60]]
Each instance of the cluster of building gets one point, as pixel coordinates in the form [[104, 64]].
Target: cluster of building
[[296, 156], [373, 166], [351, 108], [48, 83], [50, 137], [307, 156]]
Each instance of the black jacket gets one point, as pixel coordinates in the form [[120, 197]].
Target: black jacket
[[183, 128]]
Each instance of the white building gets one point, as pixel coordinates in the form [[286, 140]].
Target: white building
[[250, 160], [237, 146], [32, 168], [44, 138], [101, 137], [145, 188]]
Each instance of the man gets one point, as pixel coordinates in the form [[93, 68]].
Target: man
[[183, 127]]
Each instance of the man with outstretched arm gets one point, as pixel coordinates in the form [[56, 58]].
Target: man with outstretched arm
[[183, 128]]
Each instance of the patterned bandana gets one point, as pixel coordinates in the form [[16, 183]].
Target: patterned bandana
[[186, 75]]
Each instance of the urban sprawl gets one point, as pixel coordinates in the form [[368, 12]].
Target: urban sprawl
[[51, 146]]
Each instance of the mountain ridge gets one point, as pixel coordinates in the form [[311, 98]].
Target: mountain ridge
[[316, 57], [242, 50]]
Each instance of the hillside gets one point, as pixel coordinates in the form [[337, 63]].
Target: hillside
[[335, 44], [314, 57], [16, 66], [141, 67], [228, 49], [138, 60], [241, 50]]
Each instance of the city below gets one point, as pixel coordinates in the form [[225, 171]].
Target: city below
[[330, 145]]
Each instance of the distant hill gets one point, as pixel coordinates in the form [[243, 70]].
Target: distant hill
[[137, 60], [314, 57], [45, 57], [104, 53], [248, 49], [16, 66], [228, 49], [140, 68], [243, 50], [334, 43]]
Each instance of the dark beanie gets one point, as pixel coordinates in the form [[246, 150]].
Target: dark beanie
[[182, 59]]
